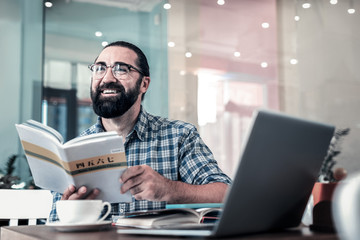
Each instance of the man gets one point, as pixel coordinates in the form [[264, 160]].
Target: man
[[168, 162]]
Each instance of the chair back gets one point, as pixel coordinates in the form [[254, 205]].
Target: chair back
[[29, 205]]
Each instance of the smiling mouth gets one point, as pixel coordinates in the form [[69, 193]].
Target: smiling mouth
[[110, 91]]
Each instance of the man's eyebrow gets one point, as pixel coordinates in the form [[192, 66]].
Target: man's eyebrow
[[120, 63], [104, 63]]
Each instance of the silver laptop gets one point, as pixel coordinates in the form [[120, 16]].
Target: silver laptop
[[279, 164]]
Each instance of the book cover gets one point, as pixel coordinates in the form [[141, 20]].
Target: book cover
[[94, 161]]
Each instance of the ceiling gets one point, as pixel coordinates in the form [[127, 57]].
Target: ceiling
[[132, 5], [210, 31]]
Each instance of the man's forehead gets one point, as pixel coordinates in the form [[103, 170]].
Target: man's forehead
[[117, 54]]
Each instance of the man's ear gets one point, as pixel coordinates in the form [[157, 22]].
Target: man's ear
[[145, 84]]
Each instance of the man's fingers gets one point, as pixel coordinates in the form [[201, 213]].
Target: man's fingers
[[67, 193], [79, 194], [137, 192], [131, 172], [131, 183], [94, 193], [71, 194]]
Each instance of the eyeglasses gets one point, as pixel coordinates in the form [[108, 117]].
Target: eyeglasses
[[119, 70]]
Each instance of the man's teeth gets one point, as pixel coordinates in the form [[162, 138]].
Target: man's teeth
[[109, 91]]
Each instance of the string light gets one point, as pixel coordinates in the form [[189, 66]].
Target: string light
[[306, 5], [265, 25], [221, 2], [351, 10], [293, 61], [188, 54], [48, 4], [167, 6]]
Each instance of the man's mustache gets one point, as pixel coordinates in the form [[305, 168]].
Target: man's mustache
[[111, 85]]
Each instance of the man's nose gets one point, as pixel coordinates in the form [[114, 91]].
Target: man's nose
[[109, 77]]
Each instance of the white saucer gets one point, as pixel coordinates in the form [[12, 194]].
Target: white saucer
[[71, 227]]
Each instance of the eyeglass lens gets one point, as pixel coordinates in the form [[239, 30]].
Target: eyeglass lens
[[120, 71]]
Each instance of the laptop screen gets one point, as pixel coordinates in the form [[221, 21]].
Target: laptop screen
[[280, 162]]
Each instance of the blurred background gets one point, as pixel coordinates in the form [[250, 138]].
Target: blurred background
[[212, 64]]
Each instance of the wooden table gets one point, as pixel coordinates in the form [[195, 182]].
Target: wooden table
[[48, 233]]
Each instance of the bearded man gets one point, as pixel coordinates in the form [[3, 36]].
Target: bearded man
[[168, 161]]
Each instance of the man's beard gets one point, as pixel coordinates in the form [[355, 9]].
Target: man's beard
[[111, 107]]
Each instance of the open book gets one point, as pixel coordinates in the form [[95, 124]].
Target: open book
[[94, 161], [168, 217]]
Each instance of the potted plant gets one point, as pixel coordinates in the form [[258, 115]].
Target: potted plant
[[327, 174], [323, 190], [7, 180]]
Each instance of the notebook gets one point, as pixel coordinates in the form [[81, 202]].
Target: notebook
[[278, 167]]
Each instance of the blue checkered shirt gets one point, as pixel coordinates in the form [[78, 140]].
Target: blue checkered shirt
[[172, 148]]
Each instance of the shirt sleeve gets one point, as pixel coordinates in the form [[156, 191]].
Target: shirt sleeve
[[53, 217], [197, 163]]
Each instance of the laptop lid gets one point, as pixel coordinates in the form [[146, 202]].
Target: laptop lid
[[280, 162]]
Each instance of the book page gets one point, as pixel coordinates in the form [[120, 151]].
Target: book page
[[160, 212], [209, 215], [45, 168], [158, 221], [99, 163], [89, 138], [158, 218], [44, 128], [42, 150]]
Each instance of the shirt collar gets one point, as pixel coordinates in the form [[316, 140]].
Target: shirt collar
[[140, 125], [99, 126]]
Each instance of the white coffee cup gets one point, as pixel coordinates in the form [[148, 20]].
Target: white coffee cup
[[81, 211]]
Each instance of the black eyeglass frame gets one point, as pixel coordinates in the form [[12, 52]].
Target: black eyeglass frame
[[112, 67]]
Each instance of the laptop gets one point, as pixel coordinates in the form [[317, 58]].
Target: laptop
[[278, 167]]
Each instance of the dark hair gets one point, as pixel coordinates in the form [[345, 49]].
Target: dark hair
[[141, 58]]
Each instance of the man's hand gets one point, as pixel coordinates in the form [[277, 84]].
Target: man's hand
[[71, 193], [146, 184]]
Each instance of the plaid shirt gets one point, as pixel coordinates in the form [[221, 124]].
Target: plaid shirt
[[172, 148]]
